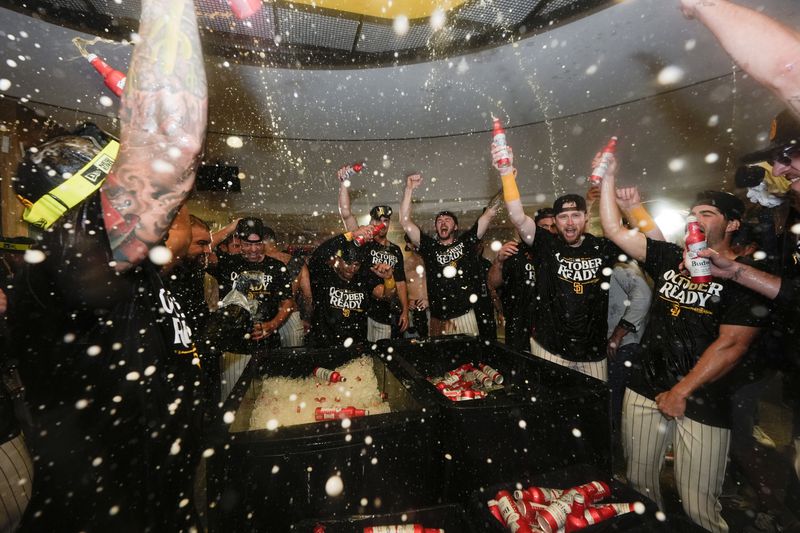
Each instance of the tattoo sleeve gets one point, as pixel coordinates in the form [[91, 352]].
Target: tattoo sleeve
[[163, 121]]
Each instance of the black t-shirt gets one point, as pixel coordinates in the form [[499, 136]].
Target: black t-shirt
[[266, 282], [517, 296], [381, 310], [111, 379], [187, 284], [340, 306], [684, 320], [450, 272], [570, 316]]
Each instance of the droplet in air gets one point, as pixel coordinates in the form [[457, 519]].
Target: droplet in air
[[160, 255], [473, 298], [576, 433], [348, 342], [449, 271], [334, 486], [677, 164], [638, 508], [496, 245], [33, 257], [713, 121], [438, 19], [228, 417], [93, 351], [712, 158], [5, 84], [670, 75], [106, 101], [592, 69], [272, 424], [234, 141], [400, 25], [132, 376], [523, 424]]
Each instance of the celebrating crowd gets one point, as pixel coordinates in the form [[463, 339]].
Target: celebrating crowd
[[118, 355]]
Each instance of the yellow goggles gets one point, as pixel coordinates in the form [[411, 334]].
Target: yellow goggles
[[51, 206]]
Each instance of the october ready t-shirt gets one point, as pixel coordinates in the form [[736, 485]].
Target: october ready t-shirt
[[570, 314]]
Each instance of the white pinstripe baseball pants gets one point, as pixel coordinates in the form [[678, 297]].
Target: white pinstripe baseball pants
[[701, 454], [595, 369], [232, 365], [465, 324], [291, 331], [377, 331], [16, 480]]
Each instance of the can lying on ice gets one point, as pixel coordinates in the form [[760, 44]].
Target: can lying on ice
[[402, 528], [496, 376]]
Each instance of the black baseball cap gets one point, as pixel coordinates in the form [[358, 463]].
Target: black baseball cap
[[446, 214], [783, 133], [543, 213], [380, 211], [729, 205], [351, 253], [250, 226], [569, 202]]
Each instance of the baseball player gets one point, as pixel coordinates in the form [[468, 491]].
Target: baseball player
[[697, 332], [451, 265], [379, 251]]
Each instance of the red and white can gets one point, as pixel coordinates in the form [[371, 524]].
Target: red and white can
[[402, 528], [496, 376], [338, 413], [540, 495], [600, 513], [329, 376], [554, 517]]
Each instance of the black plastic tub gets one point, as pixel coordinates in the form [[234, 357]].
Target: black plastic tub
[[268, 479], [545, 417], [452, 518], [647, 522]]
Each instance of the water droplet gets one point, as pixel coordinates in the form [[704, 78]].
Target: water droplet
[[106, 101], [346, 423], [5, 84], [638, 508], [334, 486], [132, 376], [272, 424], [523, 424], [93, 350], [495, 246], [689, 45], [713, 121], [234, 141], [368, 440], [276, 469], [228, 417], [670, 75], [449, 271], [576, 433], [712, 158], [160, 255], [11, 63], [677, 164], [660, 516], [438, 19], [592, 69], [82, 403], [348, 342], [400, 25], [33, 257], [473, 298], [208, 452]]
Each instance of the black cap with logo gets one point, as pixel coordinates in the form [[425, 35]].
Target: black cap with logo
[[729, 205], [569, 202], [247, 227], [784, 132], [380, 211]]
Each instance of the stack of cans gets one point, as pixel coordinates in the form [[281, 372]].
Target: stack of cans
[[468, 382], [541, 509]]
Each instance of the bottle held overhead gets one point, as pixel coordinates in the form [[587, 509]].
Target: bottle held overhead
[[599, 172]]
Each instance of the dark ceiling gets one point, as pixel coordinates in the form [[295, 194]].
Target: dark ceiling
[[289, 34]]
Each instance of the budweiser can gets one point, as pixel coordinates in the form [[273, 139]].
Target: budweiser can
[[451, 378], [495, 510], [604, 512], [593, 491], [496, 376], [330, 376], [554, 517], [528, 509], [453, 394], [577, 519], [334, 413], [482, 378], [541, 495], [402, 528]]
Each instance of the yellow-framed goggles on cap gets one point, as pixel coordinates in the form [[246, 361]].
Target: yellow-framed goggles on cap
[[45, 211]]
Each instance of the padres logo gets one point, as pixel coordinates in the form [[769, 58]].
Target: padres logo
[[578, 288]]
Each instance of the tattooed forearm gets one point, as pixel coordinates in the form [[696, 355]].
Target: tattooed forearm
[[163, 117]]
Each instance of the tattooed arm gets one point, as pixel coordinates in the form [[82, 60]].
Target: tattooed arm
[[766, 49], [163, 121]]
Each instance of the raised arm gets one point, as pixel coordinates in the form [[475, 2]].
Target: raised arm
[[222, 234], [485, 220], [766, 49], [629, 200], [412, 230], [633, 242], [754, 279], [525, 225], [348, 219], [163, 121]]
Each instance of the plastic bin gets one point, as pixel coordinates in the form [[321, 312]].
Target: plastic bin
[[648, 522], [266, 480], [546, 417], [452, 518]]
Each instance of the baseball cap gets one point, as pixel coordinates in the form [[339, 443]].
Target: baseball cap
[[351, 253], [250, 226], [729, 205], [269, 234], [543, 213], [569, 202], [380, 211], [446, 214], [783, 132]]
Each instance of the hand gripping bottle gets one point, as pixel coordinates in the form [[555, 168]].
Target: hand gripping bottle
[[402, 528], [338, 413], [599, 172], [699, 267], [499, 139], [352, 170], [244, 8], [361, 240], [331, 376], [114, 79]]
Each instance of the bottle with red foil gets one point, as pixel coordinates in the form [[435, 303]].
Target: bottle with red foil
[[330, 376], [352, 170], [114, 79], [244, 8], [599, 172], [499, 140], [361, 240], [699, 267], [338, 413], [402, 528]]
